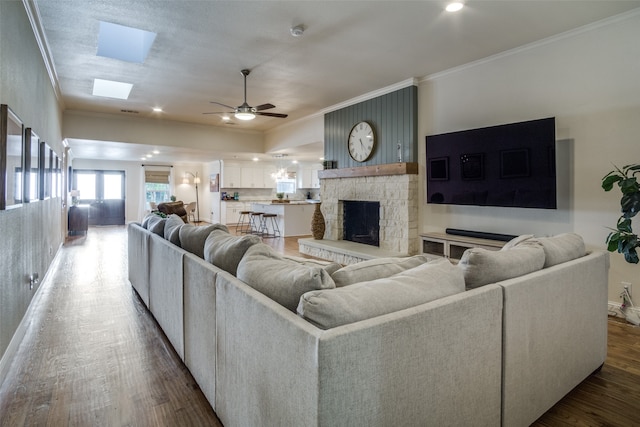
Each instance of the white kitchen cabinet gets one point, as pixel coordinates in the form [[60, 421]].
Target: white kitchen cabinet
[[308, 178], [231, 211], [252, 177], [231, 177]]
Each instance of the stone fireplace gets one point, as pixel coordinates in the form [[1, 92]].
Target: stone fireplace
[[397, 195]]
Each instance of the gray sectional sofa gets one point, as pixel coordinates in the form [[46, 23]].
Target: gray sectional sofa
[[406, 345]]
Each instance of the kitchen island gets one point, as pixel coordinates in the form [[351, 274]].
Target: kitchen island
[[294, 218]]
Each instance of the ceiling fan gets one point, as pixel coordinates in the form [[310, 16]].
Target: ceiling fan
[[245, 111]]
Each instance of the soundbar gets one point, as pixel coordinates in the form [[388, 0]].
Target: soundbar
[[480, 234]]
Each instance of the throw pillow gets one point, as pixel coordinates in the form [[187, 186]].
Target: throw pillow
[[282, 280], [562, 248], [172, 229], [427, 282], [482, 266], [145, 220], [225, 251], [375, 269], [192, 237], [156, 225], [517, 241]]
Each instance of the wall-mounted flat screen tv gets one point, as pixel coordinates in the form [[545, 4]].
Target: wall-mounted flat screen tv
[[511, 165]]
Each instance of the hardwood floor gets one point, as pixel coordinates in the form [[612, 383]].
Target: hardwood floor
[[94, 356]]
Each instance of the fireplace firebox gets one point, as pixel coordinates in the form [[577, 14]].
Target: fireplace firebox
[[361, 222]]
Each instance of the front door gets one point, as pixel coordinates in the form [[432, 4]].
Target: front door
[[103, 192]]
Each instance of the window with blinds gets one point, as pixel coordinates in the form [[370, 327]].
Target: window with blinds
[[157, 186]]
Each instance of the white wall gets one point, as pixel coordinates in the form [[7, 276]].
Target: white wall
[[589, 81], [305, 131], [211, 141]]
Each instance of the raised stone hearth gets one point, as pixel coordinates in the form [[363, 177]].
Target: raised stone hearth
[[398, 197]]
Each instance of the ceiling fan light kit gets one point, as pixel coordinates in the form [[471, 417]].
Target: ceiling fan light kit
[[245, 111]]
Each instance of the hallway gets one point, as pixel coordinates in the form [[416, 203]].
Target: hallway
[[93, 355]]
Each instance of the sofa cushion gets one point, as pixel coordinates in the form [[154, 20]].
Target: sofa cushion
[[192, 237], [482, 266], [426, 282], [172, 229], [375, 269], [562, 248], [156, 225], [282, 280], [329, 266], [225, 251]]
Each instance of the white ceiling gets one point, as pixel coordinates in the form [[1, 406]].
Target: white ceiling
[[349, 48]]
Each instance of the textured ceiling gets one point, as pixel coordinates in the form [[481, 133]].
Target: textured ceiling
[[349, 48]]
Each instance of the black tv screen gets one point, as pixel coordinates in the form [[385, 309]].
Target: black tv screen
[[510, 165]]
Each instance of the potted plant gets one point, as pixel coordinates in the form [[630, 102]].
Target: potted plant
[[622, 238], [280, 195]]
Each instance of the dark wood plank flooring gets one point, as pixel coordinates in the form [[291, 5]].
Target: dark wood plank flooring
[[94, 356]]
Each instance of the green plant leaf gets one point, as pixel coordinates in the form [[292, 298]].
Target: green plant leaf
[[624, 225], [612, 242], [631, 256], [610, 179], [630, 204]]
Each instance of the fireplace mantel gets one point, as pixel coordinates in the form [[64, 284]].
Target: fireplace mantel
[[375, 170]]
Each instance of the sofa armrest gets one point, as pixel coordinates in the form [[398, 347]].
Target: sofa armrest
[[138, 260], [555, 334]]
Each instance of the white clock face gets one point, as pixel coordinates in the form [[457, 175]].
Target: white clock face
[[361, 142]]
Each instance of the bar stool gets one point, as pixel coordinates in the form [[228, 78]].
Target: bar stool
[[275, 230], [244, 222], [255, 223]]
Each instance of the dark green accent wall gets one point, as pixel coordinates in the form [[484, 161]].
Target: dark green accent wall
[[394, 117]]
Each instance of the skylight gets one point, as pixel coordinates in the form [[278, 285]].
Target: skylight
[[124, 43], [111, 89]]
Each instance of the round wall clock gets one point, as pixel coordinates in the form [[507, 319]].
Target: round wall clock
[[361, 142]]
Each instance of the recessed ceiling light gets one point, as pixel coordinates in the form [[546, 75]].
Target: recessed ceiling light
[[157, 110], [156, 152], [148, 156], [454, 6], [226, 118], [294, 162], [255, 159], [111, 89]]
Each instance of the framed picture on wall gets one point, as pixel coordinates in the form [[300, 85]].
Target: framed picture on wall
[[31, 179], [46, 170], [11, 158], [214, 183]]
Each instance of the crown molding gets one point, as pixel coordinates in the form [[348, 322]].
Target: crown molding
[[33, 13], [552, 39]]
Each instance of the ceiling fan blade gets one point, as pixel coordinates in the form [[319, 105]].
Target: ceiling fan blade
[[224, 105], [264, 107], [282, 116], [219, 112]]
